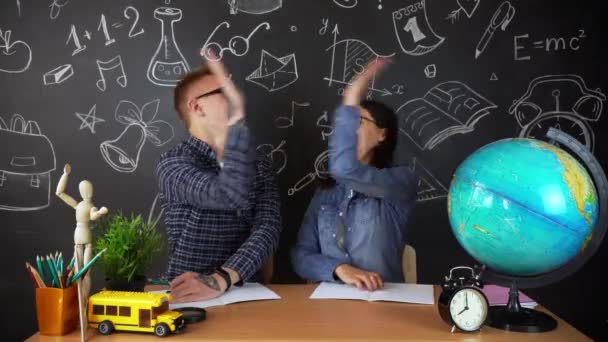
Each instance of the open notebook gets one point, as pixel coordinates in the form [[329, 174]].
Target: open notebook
[[245, 293], [392, 292]]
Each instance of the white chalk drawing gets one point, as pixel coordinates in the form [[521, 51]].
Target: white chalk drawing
[[467, 6], [493, 77], [15, 56], [135, 22], [321, 172], [58, 75], [446, 109], [103, 26], [87, 34], [429, 187], [275, 73], [56, 6], [73, 36], [114, 63], [430, 71], [326, 128], [277, 155], [379, 4], [19, 7], [288, 121], [90, 119], [237, 45], [324, 26], [501, 18], [122, 153], [346, 3], [413, 31], [27, 158], [348, 59], [254, 6], [561, 101], [570, 43], [167, 64]]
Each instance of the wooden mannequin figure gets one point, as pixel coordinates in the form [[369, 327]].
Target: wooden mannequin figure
[[83, 240]]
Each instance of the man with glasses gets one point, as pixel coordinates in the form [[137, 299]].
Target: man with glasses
[[222, 211]]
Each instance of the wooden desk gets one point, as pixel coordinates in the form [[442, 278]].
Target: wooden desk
[[297, 318]]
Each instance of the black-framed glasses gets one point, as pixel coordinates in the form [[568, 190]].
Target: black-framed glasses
[[213, 92], [363, 118]]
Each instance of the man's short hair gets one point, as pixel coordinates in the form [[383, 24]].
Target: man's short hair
[[180, 94]]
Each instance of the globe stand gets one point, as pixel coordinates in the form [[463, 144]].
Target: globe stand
[[513, 317]]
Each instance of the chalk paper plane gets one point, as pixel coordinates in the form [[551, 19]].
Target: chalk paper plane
[[275, 73]]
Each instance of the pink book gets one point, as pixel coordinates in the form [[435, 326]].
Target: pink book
[[499, 295]]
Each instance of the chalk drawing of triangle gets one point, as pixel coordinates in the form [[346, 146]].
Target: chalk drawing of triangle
[[429, 187]]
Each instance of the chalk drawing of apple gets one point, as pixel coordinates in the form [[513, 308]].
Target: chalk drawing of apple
[[16, 56]]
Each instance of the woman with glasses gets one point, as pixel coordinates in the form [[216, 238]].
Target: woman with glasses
[[355, 226]]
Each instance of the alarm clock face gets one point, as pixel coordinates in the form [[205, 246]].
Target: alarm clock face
[[469, 309]]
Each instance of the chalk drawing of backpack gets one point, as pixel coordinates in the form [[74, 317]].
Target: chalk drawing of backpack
[[27, 159]]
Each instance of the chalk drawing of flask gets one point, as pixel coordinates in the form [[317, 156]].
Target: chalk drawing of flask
[[122, 153], [168, 64]]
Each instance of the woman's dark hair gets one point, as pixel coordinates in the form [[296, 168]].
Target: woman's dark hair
[[382, 156]]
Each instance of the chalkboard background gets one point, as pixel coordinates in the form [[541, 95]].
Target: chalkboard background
[[79, 71]]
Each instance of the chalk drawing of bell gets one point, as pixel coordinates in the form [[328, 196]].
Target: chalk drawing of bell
[[254, 6], [413, 30], [122, 153], [168, 64]]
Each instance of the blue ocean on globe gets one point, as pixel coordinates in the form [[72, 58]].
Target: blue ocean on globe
[[522, 207]]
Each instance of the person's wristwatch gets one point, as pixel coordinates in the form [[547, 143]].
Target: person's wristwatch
[[222, 273]]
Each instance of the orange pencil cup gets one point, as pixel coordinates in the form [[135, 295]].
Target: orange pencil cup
[[57, 310]]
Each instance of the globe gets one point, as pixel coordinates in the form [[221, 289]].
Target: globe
[[522, 207]]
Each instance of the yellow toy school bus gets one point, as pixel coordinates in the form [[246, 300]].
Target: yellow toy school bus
[[133, 311]]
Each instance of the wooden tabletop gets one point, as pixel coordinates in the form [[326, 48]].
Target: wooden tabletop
[[297, 318]]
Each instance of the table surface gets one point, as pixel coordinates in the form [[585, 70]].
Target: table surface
[[297, 318]]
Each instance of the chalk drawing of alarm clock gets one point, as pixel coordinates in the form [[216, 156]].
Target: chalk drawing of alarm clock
[[560, 101]]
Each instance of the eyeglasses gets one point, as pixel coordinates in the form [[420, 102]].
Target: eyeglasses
[[213, 92], [363, 118]]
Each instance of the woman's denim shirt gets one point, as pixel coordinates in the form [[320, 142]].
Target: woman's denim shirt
[[362, 220]]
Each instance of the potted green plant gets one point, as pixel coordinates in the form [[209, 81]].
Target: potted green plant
[[132, 245]]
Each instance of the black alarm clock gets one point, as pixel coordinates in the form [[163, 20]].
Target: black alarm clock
[[462, 304]]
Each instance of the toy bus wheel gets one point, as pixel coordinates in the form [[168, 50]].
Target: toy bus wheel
[[161, 329], [105, 327]]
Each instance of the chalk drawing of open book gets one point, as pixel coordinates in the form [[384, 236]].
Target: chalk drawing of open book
[[446, 109]]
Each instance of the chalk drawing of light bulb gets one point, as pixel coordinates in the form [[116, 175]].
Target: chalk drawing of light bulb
[[168, 64]]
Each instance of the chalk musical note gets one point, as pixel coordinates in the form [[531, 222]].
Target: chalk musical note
[[286, 122], [113, 63]]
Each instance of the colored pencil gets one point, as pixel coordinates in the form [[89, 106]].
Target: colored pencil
[[87, 266], [32, 275]]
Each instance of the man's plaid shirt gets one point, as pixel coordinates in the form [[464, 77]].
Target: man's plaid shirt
[[219, 216]]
